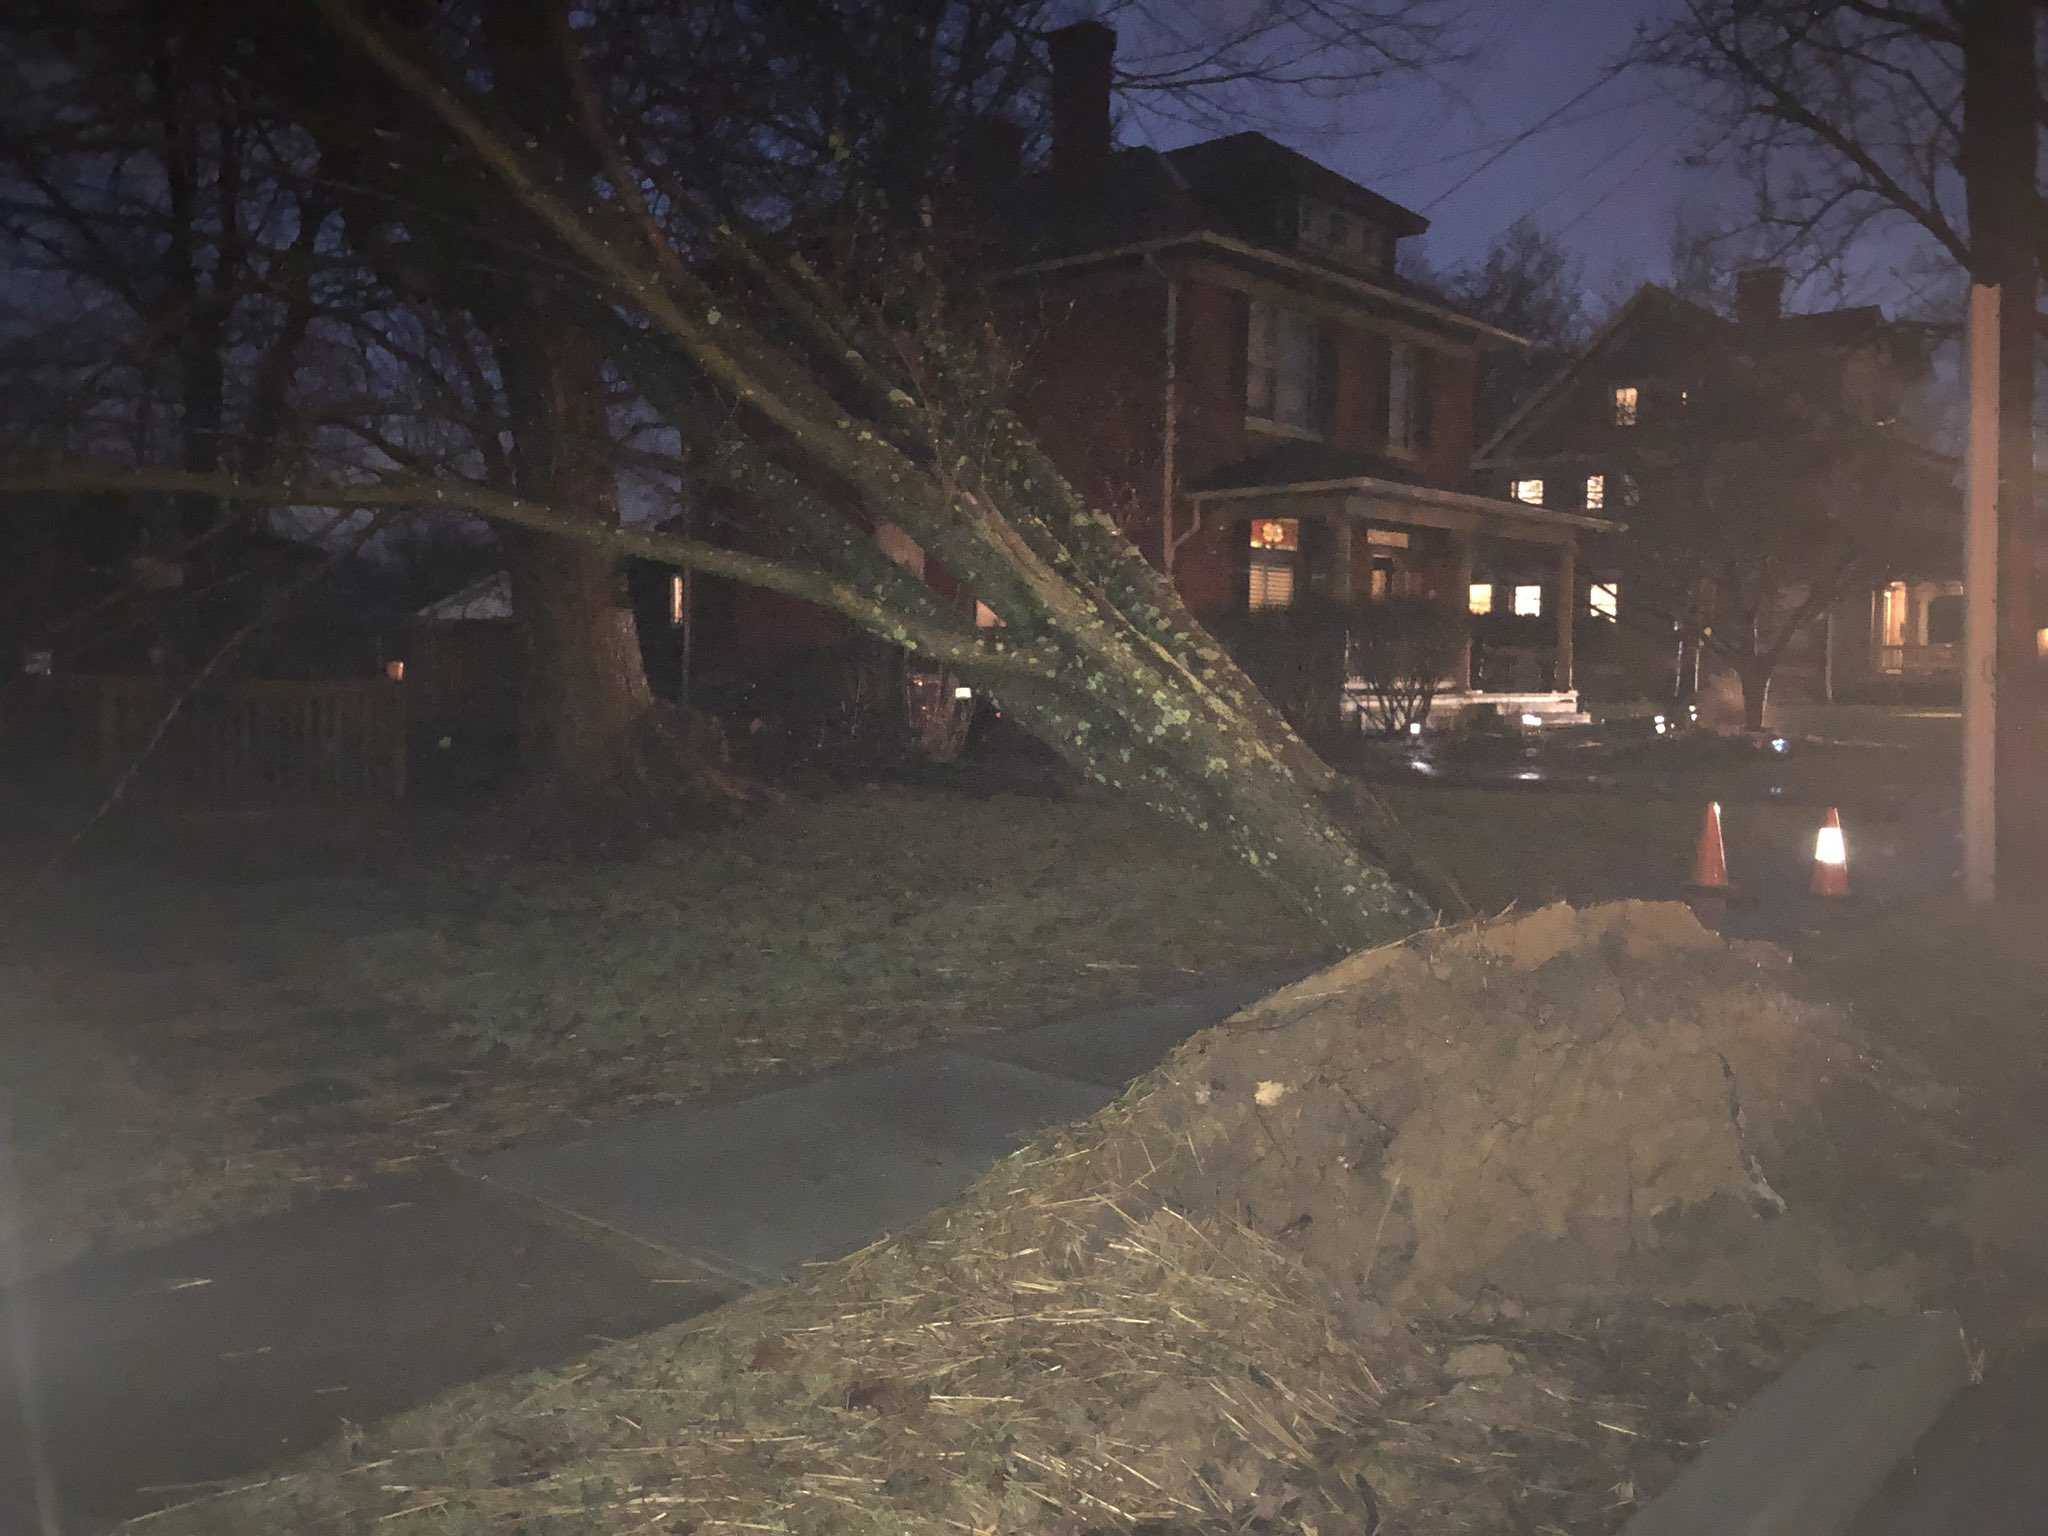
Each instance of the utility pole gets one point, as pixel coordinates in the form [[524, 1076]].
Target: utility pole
[[2000, 94]]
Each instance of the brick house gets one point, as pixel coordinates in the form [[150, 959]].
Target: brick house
[[1658, 375], [1217, 344]]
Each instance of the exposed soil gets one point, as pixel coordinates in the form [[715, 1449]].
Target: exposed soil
[[1487, 1232]]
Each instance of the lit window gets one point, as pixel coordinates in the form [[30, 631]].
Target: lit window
[[1272, 584], [1479, 597], [1283, 533], [1626, 400], [1386, 538], [1596, 492], [678, 598], [1283, 369], [1528, 602], [1530, 491], [1605, 600]]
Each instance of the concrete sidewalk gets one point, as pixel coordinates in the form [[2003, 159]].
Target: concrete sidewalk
[[150, 1374], [753, 1190], [158, 1376]]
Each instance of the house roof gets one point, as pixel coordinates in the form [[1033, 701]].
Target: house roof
[[489, 597], [1300, 463], [1217, 194], [1216, 168], [1771, 346], [1306, 469], [1650, 295]]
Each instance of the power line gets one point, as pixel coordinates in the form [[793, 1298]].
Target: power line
[[1606, 77]]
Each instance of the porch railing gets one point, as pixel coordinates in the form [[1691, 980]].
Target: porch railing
[[1918, 660], [1513, 668]]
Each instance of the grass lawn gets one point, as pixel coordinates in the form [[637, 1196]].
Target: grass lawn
[[201, 1026], [198, 1031]]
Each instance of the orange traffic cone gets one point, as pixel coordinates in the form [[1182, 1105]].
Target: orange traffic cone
[[1830, 858], [1710, 864]]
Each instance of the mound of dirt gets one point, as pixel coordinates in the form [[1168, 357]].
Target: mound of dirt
[[1558, 1108], [1484, 1232]]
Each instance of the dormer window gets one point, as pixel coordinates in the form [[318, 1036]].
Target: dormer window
[[1530, 491], [1627, 402], [1332, 231]]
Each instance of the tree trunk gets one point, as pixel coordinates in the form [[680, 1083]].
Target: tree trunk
[[585, 702], [1755, 673]]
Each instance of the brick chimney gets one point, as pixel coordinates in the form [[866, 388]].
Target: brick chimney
[[1759, 296], [1083, 61]]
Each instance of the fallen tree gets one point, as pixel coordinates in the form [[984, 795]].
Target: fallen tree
[[828, 413]]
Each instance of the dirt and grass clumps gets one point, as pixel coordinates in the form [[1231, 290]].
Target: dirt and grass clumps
[[1485, 1232]]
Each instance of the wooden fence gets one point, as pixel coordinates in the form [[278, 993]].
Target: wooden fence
[[244, 742]]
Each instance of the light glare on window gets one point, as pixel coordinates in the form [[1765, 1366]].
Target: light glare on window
[[1528, 602], [1479, 599]]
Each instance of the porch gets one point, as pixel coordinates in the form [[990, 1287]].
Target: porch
[[1916, 630], [1509, 572]]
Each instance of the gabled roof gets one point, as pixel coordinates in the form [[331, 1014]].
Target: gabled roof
[[488, 597], [1776, 350], [1646, 298]]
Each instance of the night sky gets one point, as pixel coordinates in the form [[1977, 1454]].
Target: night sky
[[1607, 174]]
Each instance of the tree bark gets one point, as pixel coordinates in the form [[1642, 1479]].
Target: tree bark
[[1755, 674], [585, 699]]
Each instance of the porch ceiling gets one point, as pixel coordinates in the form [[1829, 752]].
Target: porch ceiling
[[1372, 498]]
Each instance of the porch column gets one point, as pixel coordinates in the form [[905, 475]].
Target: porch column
[[1567, 609], [1339, 585], [1460, 599]]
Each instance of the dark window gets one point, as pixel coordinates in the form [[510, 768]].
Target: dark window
[[1945, 620]]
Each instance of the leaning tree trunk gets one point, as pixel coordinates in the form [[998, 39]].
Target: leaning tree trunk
[[833, 417]]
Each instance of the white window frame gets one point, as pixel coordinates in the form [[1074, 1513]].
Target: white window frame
[[1283, 389], [1528, 492], [1528, 600]]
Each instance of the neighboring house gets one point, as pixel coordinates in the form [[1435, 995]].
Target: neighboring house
[[1656, 383], [1217, 346]]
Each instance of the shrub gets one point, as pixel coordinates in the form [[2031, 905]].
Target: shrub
[[1296, 656], [1401, 650]]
